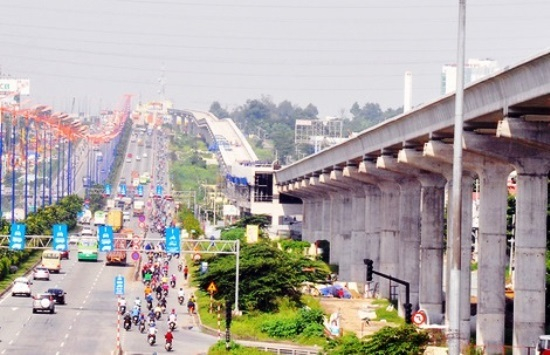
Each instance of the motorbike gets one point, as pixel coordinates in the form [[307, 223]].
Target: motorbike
[[180, 267], [180, 300], [149, 305], [142, 327], [163, 308], [173, 283], [157, 315], [135, 319], [151, 339], [127, 324], [172, 325], [122, 309], [168, 346]]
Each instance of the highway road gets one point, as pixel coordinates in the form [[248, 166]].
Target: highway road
[[88, 323]]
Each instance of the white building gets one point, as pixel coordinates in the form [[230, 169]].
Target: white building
[[475, 69]]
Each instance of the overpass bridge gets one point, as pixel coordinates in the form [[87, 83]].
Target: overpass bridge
[[382, 195], [248, 183]]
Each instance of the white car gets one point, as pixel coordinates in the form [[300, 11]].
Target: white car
[[145, 154], [41, 273], [21, 286], [73, 239], [137, 157]]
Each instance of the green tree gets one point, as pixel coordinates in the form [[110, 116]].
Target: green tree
[[266, 273], [218, 111]]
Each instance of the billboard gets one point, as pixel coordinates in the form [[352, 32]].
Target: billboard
[[12, 86]]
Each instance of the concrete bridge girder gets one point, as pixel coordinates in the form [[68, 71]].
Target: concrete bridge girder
[[535, 134]]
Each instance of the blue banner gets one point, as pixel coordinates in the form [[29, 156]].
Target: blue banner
[[122, 189], [60, 237], [173, 240], [159, 190], [119, 285], [105, 238], [17, 236], [107, 189]]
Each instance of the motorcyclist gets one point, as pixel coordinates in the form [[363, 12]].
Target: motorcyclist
[[172, 317], [152, 330], [122, 304], [127, 317], [191, 305], [137, 302], [181, 293], [173, 278], [158, 310], [169, 337]]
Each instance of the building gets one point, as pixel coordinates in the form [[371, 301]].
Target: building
[[474, 70]]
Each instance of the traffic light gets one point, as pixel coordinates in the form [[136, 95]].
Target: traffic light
[[408, 312], [368, 262]]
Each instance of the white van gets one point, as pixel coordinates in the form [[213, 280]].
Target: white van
[[126, 216]]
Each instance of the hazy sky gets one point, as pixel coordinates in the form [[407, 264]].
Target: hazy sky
[[330, 53]]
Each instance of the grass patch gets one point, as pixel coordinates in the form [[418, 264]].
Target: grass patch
[[382, 312], [249, 325], [234, 349], [34, 258]]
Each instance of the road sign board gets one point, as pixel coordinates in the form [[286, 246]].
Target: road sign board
[[135, 256], [159, 190], [106, 238], [60, 237], [141, 218], [107, 189], [212, 288], [173, 240], [419, 318], [119, 285], [17, 236]]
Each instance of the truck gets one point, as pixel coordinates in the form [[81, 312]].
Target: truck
[[118, 255], [139, 207], [86, 217], [99, 218], [114, 219]]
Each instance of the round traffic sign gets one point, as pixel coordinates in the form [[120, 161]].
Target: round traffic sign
[[142, 218], [135, 256], [419, 318]]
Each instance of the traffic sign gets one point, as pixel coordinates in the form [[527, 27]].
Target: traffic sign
[[119, 285], [173, 240], [106, 238], [60, 239], [159, 190], [17, 237], [212, 288], [419, 318], [135, 256], [141, 218], [107, 189]]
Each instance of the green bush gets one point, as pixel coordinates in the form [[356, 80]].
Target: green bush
[[308, 323], [234, 349]]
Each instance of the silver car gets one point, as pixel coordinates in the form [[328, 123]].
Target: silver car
[[43, 302], [41, 273]]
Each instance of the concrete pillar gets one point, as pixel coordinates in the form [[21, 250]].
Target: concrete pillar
[[389, 228], [530, 254], [425, 160], [493, 174], [492, 257]]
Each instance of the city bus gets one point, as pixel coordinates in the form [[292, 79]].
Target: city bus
[[51, 260], [87, 249]]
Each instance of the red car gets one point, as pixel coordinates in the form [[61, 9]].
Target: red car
[[129, 155], [65, 255]]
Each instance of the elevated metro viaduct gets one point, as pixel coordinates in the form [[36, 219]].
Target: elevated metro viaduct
[[381, 196]]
